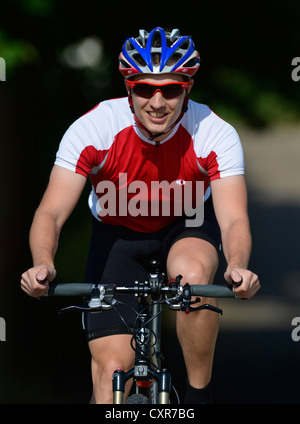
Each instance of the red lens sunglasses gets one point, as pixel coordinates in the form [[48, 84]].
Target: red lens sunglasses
[[147, 90]]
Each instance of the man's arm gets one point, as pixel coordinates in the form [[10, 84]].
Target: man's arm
[[230, 204], [60, 198]]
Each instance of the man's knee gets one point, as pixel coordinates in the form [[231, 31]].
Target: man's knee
[[195, 259], [110, 353], [103, 370], [196, 272]]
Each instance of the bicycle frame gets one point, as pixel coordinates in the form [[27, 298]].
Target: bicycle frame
[[147, 374]]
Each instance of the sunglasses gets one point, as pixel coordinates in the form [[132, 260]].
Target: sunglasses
[[147, 90]]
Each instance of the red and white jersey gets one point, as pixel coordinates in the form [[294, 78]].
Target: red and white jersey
[[107, 146]]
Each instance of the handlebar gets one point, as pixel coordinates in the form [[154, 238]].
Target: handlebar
[[174, 295], [85, 289]]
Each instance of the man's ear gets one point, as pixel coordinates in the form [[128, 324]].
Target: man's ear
[[190, 86]]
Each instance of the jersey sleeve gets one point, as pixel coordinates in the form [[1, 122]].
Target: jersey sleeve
[[227, 159], [220, 152], [82, 147]]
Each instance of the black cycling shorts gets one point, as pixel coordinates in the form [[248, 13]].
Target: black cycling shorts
[[119, 255]]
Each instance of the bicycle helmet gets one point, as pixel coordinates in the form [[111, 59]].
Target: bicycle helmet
[[159, 52]]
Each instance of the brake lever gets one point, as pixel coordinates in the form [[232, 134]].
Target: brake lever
[[77, 308], [189, 308], [96, 308]]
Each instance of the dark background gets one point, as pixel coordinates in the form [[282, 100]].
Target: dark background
[[245, 76]]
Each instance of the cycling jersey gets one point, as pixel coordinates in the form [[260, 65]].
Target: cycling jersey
[[106, 145]]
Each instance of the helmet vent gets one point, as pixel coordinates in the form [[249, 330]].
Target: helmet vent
[[124, 64], [130, 46], [173, 59], [138, 58], [156, 41], [185, 45], [192, 62]]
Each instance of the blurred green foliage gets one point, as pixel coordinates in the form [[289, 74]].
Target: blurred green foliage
[[17, 53], [240, 95]]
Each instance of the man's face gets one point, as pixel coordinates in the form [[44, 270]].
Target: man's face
[[157, 113]]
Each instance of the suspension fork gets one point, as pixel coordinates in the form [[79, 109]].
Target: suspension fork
[[163, 378]]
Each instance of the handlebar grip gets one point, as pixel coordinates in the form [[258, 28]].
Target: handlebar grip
[[206, 290], [70, 289]]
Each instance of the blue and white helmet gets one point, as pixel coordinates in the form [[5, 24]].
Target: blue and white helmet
[[159, 52]]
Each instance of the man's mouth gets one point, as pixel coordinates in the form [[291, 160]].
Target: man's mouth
[[157, 115]]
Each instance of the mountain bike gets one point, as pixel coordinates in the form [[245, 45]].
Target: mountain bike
[[152, 382]]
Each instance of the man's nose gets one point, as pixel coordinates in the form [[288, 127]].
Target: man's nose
[[157, 100]]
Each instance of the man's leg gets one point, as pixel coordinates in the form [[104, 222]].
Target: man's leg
[[108, 354], [197, 261]]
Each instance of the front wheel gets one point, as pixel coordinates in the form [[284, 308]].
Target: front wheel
[[137, 399]]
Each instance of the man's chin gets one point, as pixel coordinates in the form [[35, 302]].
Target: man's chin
[[157, 129]]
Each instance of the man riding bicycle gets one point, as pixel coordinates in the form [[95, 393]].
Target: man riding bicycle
[[155, 135]]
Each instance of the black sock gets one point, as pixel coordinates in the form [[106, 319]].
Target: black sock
[[197, 396]]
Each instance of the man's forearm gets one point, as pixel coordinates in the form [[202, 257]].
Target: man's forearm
[[43, 239], [237, 243]]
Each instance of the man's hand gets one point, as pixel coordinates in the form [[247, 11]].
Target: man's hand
[[35, 281], [245, 283]]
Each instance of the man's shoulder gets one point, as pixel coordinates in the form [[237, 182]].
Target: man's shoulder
[[107, 116], [108, 108]]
